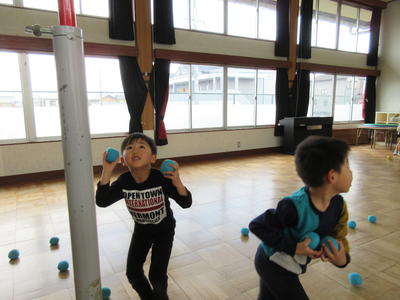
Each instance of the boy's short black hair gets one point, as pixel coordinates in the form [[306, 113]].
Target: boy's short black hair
[[316, 156], [139, 136]]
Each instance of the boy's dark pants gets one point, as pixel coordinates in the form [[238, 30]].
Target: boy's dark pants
[[276, 283], [141, 243]]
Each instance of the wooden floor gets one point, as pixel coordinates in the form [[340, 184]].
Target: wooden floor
[[210, 259]]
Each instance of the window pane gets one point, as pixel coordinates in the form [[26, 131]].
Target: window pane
[[49, 4], [12, 124], [45, 97], [323, 94], [326, 32], [314, 25], [344, 93], [241, 92], [348, 28], [7, 1], [364, 29], [95, 8], [358, 97], [178, 109], [207, 15], [267, 20], [106, 97], [181, 13], [207, 96], [266, 105], [246, 12]]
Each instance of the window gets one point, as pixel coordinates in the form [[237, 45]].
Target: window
[[87, 7], [238, 12], [6, 1], [197, 97], [29, 106], [246, 18], [348, 28], [108, 111], [364, 30], [45, 97], [241, 97], [321, 93], [207, 15], [347, 98], [350, 22], [178, 109], [11, 108], [326, 24]]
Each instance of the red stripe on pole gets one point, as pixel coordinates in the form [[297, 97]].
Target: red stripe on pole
[[66, 13]]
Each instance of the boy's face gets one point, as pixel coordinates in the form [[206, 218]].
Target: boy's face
[[137, 155], [343, 178]]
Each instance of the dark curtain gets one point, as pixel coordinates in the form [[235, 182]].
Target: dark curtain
[[120, 23], [159, 87], [135, 91], [302, 90], [368, 108], [163, 28], [372, 57], [282, 28], [306, 12], [283, 107]]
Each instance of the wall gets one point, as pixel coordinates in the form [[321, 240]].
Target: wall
[[47, 156], [388, 84]]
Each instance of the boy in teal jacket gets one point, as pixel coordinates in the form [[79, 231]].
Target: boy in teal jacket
[[322, 164]]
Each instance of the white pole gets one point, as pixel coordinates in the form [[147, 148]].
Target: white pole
[[68, 51]]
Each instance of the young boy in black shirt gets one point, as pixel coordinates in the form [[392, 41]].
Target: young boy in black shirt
[[322, 164], [146, 192]]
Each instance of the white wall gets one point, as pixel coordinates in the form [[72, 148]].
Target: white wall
[[388, 84]]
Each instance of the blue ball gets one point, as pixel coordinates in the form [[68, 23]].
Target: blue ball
[[244, 231], [372, 219], [112, 154], [333, 240], [13, 254], [106, 293], [54, 241], [165, 166], [63, 266], [355, 279], [352, 224], [314, 239]]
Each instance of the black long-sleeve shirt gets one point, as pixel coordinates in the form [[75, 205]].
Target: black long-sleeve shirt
[[148, 202]]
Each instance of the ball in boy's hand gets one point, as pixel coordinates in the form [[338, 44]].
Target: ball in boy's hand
[[372, 219], [333, 240], [244, 231], [165, 166], [314, 237], [352, 224], [106, 292], [54, 241], [355, 279], [63, 266], [112, 154], [13, 254]]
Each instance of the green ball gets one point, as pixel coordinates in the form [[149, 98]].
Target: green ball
[[54, 241], [355, 279], [63, 266], [244, 231], [314, 239], [13, 254], [333, 240], [106, 293]]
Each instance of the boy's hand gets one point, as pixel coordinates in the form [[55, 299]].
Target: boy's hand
[[336, 257], [175, 179], [303, 249], [108, 168]]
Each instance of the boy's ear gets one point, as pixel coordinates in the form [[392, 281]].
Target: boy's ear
[[122, 160], [153, 158], [331, 176]]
